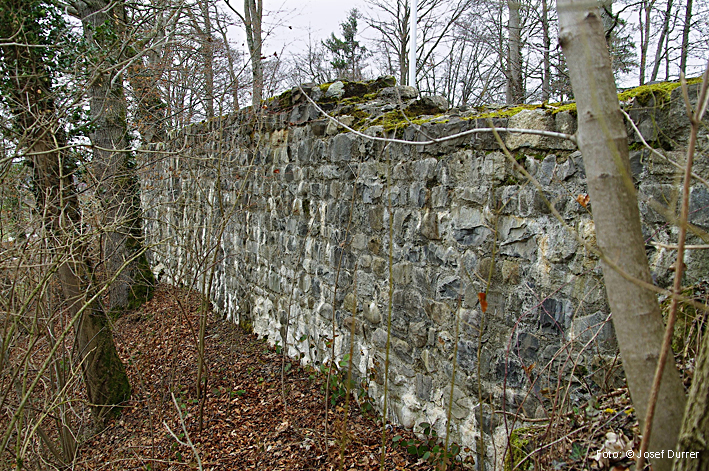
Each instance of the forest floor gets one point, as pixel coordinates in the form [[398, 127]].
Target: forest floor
[[245, 424]]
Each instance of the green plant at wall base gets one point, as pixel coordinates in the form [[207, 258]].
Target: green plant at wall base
[[517, 451], [429, 447]]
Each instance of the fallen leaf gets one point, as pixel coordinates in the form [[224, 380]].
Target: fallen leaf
[[483, 301], [583, 200]]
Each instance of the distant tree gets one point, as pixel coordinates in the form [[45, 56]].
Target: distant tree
[[348, 54], [515, 80], [252, 19], [436, 25]]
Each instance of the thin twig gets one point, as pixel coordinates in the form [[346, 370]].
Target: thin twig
[[188, 441]]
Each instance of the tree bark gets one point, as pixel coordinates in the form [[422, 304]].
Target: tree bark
[[113, 164], [694, 436], [546, 44], [208, 58], [644, 35], [31, 91], [685, 37], [515, 84], [253, 15], [603, 141], [661, 42]]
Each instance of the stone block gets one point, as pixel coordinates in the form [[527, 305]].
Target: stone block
[[423, 387], [529, 119], [419, 333], [585, 328], [429, 225], [439, 312], [336, 90], [372, 314]]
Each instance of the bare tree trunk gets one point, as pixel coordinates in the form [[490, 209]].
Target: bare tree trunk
[[208, 58], [104, 374], [515, 88], [144, 75], [603, 141], [253, 14], [546, 44], [685, 37], [403, 7], [644, 36], [234, 85], [113, 163], [661, 42], [695, 429]]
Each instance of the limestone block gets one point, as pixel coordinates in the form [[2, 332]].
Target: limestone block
[[439, 312], [372, 314], [529, 119], [585, 328], [336, 90], [403, 92]]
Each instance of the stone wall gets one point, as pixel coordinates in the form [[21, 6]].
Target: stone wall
[[310, 228]]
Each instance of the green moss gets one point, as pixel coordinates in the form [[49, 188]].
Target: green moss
[[504, 112], [109, 381], [395, 120], [558, 108], [659, 91], [247, 326], [686, 317], [144, 286], [517, 451]]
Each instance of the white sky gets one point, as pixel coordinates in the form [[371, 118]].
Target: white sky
[[288, 22]]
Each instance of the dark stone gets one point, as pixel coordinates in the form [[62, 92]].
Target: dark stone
[[554, 316], [449, 288], [527, 347], [424, 385], [699, 206], [467, 356], [472, 237], [509, 369], [288, 174]]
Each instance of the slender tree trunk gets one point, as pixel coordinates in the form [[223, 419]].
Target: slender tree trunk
[[253, 14], [113, 164], [546, 44], [661, 42], [515, 87], [234, 85], [685, 37], [695, 429], [603, 141], [208, 58], [644, 36]]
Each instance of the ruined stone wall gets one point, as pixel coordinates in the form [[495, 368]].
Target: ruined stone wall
[[310, 227]]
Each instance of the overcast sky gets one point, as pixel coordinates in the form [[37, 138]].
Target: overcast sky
[[290, 21]]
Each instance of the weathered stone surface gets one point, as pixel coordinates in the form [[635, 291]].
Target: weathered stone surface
[[403, 92], [372, 314], [335, 90], [593, 326], [312, 213], [529, 119]]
